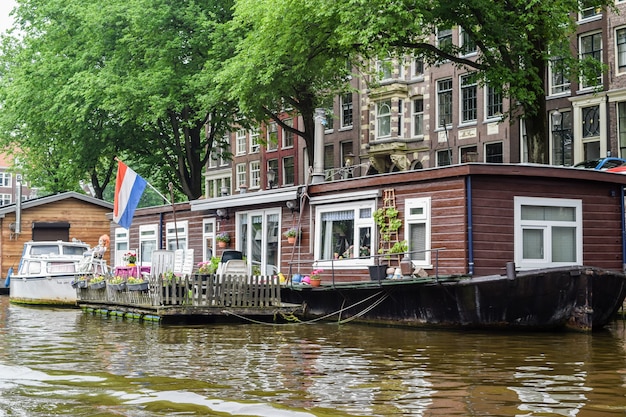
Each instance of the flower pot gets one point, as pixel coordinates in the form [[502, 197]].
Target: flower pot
[[131, 264], [97, 285], [141, 286], [221, 244], [79, 284], [378, 272], [117, 287], [315, 282], [291, 239]]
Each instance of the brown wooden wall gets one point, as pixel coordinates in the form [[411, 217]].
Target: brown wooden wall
[[87, 223]]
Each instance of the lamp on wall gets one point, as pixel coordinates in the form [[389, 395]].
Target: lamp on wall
[[271, 177], [221, 213], [292, 205]]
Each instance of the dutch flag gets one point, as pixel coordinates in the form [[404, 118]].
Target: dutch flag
[[128, 190]]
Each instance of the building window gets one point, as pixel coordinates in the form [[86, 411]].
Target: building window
[[621, 118], [217, 187], [444, 99], [591, 121], [272, 137], [467, 44], [418, 230], [589, 9], [147, 242], [418, 117], [493, 153], [288, 134], [346, 110], [562, 151], [176, 235], [620, 39], [255, 143], [591, 48], [241, 175], [5, 179], [444, 157], [345, 233], [468, 98], [241, 141], [255, 174], [444, 38], [384, 68], [5, 199], [559, 82], [417, 67], [548, 232], [383, 118], [121, 245], [208, 237], [469, 154], [494, 102], [288, 171]]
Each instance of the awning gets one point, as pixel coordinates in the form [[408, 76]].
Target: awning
[[246, 199]]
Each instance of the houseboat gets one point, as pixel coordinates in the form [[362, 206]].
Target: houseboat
[[47, 270], [472, 245]]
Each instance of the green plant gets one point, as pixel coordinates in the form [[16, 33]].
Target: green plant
[[135, 280], [292, 232], [96, 279], [208, 267], [223, 237], [399, 247], [116, 280]]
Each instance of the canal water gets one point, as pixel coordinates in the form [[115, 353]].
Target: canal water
[[64, 362]]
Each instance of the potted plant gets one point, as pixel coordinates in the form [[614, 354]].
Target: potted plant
[[117, 283], [223, 239], [388, 222], [291, 234], [136, 284], [97, 283], [80, 282], [315, 279], [130, 258], [208, 267]]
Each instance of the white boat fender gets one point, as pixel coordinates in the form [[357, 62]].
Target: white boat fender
[[7, 281]]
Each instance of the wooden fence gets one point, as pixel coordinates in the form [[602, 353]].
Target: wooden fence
[[193, 290]]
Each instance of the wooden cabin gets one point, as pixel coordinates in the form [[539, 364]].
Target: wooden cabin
[[63, 216], [464, 219]]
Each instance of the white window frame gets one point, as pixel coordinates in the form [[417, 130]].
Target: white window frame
[[122, 245], [240, 140], [6, 179], [468, 95], [255, 174], [255, 143], [545, 226], [491, 95], [241, 175], [554, 88], [208, 237], [380, 106], [288, 136], [272, 137], [417, 118], [170, 235], [147, 233], [583, 54], [359, 223], [417, 211], [5, 199], [346, 107]]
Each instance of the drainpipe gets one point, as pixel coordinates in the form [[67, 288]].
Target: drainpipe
[[318, 147], [470, 239], [18, 204]]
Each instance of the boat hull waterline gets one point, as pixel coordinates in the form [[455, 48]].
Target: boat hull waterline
[[581, 298]]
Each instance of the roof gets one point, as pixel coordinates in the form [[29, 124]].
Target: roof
[[35, 202]]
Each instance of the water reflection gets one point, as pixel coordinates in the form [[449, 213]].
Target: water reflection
[[60, 362]]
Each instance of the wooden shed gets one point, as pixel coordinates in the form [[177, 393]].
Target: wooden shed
[[63, 216]]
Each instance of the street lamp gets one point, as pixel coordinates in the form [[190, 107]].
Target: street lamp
[[271, 177]]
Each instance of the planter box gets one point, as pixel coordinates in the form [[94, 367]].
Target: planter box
[[79, 284], [137, 287], [97, 285], [378, 272], [117, 287]]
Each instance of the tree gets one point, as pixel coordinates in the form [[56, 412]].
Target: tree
[[106, 78], [288, 60], [515, 39]]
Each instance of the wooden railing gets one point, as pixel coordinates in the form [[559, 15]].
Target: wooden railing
[[193, 290]]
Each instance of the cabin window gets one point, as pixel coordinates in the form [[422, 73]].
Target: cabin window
[[345, 234], [176, 235], [208, 237], [417, 219], [548, 232], [121, 244], [147, 243]]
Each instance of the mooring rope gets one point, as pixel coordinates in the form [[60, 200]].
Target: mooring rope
[[361, 313]]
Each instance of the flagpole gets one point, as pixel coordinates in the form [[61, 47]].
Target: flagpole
[[171, 187], [152, 187]]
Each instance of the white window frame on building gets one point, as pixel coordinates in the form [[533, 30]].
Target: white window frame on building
[[466, 43], [444, 102], [418, 230], [444, 37], [417, 117], [176, 232], [329, 239], [272, 137], [346, 110], [288, 136], [559, 83], [255, 143], [289, 173], [417, 68], [620, 50], [148, 242], [5, 179], [242, 175], [383, 119], [241, 141], [589, 143], [469, 99], [208, 237], [590, 45], [384, 69], [255, 174], [122, 245], [545, 230], [493, 103], [5, 199]]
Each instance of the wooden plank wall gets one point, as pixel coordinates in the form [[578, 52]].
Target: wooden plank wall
[[87, 223]]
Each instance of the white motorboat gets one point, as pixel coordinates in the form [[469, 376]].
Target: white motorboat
[[47, 270]]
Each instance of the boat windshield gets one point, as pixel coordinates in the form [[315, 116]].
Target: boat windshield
[[74, 250], [45, 250]]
